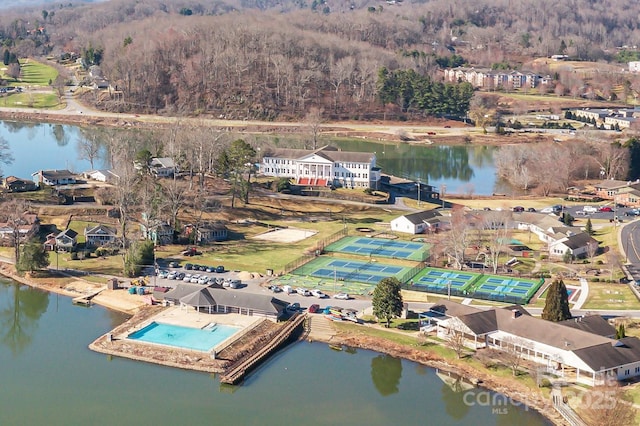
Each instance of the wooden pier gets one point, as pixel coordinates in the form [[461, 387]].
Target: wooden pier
[[85, 299], [236, 372]]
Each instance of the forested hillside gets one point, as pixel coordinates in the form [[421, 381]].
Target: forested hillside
[[266, 59]]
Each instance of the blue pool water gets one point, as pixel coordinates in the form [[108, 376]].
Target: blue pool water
[[184, 337]]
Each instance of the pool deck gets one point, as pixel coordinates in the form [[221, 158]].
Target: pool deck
[[116, 343]]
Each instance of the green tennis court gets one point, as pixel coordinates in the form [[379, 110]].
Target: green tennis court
[[443, 280], [381, 247]]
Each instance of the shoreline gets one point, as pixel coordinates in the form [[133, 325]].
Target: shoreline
[[186, 361]]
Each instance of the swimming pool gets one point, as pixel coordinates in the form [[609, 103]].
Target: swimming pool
[[184, 337]]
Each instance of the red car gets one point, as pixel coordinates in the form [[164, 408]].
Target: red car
[[313, 308], [606, 209]]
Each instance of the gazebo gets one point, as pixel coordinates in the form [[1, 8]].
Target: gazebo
[[199, 299]]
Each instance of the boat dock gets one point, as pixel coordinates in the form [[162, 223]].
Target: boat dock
[[85, 299], [235, 373]]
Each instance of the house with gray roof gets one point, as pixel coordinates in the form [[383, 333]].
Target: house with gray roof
[[163, 167], [213, 300], [99, 235], [54, 177], [417, 223], [325, 166], [582, 349], [577, 245], [66, 240]]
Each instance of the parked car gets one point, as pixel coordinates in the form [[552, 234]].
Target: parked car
[[188, 266], [313, 308], [180, 276], [194, 278], [186, 278], [605, 209], [342, 296], [531, 209], [518, 209], [634, 212], [172, 275], [303, 291], [174, 265], [275, 288], [293, 307], [210, 269], [163, 273], [219, 269], [203, 279], [318, 294], [589, 209]]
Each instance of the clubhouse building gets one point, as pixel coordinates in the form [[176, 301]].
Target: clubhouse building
[[325, 166]]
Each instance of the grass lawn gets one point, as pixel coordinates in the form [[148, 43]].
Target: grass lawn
[[507, 204], [111, 265], [31, 100], [35, 73], [610, 296], [7, 252]]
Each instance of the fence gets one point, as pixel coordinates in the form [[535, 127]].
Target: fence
[[302, 260], [412, 272]]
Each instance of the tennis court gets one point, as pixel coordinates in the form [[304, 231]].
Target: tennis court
[[350, 270], [506, 288], [443, 280], [382, 247]]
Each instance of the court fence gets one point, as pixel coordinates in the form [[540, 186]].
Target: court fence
[[304, 259]]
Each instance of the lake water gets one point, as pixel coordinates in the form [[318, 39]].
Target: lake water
[[49, 377], [464, 169]]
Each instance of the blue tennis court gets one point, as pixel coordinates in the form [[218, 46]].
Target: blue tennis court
[[380, 247], [350, 270]]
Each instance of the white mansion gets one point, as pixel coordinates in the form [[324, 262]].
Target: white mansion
[[326, 166]]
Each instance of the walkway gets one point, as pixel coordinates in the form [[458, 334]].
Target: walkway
[[584, 294]]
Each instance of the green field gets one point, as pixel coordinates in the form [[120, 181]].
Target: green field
[[36, 73]]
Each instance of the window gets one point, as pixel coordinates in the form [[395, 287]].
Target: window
[[626, 372]]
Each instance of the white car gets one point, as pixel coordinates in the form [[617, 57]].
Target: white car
[[172, 275], [163, 273], [318, 294], [203, 279], [303, 291], [194, 278], [589, 209], [342, 296], [187, 278]]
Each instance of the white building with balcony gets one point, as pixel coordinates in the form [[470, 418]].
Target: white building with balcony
[[326, 166]]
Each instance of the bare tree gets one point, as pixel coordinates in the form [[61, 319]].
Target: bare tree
[[608, 405], [5, 153], [12, 213], [592, 250], [89, 147], [456, 336], [313, 121], [497, 229], [459, 237], [513, 353]]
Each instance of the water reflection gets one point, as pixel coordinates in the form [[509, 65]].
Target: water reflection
[[20, 310], [454, 169], [452, 397], [59, 134], [386, 372]]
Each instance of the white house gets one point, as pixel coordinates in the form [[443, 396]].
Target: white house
[[417, 223], [54, 177], [325, 166], [102, 175], [66, 240], [581, 349], [163, 167], [576, 244]]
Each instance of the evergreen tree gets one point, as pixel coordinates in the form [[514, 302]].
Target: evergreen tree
[[7, 57], [620, 332], [589, 227], [33, 257], [387, 299], [556, 306]]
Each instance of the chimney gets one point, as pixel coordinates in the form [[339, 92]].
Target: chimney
[[515, 313]]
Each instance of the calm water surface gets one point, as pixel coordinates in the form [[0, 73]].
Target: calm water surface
[[49, 377], [456, 169]]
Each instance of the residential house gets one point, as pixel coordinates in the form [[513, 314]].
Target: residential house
[[99, 235], [66, 240], [14, 184], [218, 300], [27, 226], [207, 232], [159, 233], [609, 189], [577, 245], [163, 167], [492, 79], [104, 175], [417, 223], [586, 353], [325, 166], [629, 196], [54, 177]]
